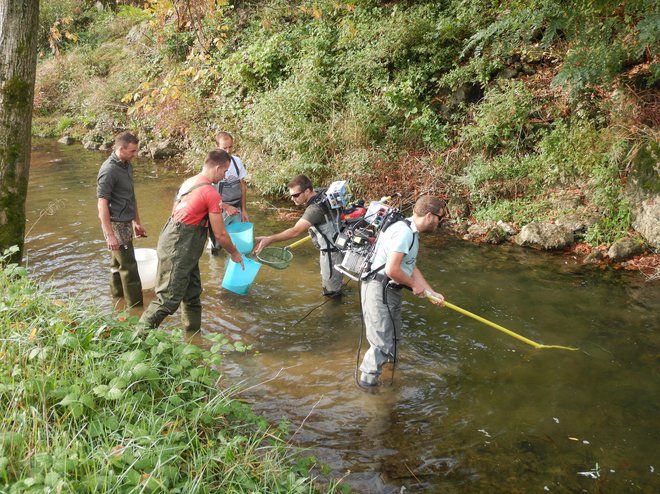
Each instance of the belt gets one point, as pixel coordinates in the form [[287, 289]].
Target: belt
[[384, 280], [380, 277]]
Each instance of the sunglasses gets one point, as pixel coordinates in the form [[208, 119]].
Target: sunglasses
[[441, 218], [293, 196]]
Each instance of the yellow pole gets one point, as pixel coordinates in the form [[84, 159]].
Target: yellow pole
[[497, 326], [298, 242]]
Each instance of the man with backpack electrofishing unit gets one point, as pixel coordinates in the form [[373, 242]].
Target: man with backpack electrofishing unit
[[391, 267], [322, 219]]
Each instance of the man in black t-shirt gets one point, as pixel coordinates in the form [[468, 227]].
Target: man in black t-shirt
[[323, 225]]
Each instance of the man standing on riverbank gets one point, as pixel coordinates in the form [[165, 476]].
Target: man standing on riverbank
[[182, 242], [232, 187], [323, 225], [119, 217], [394, 266]]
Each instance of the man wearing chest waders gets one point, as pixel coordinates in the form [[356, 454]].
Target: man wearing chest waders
[[232, 188], [393, 267], [182, 242], [119, 217], [323, 225]]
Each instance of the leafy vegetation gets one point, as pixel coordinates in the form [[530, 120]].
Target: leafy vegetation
[[504, 100], [90, 403]]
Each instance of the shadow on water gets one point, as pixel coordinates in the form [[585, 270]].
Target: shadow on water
[[467, 409]]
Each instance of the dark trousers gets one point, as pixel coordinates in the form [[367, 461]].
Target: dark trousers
[[178, 280], [124, 276]]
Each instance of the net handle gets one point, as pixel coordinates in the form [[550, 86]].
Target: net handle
[[298, 242]]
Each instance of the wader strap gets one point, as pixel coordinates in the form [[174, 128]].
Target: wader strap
[[329, 257], [179, 196], [205, 223], [329, 219], [332, 248]]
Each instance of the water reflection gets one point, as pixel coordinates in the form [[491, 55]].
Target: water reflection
[[469, 408]]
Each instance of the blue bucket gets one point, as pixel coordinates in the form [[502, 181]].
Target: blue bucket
[[242, 234], [239, 280]]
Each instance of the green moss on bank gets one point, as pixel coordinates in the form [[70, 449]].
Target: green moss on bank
[[16, 94], [646, 168]]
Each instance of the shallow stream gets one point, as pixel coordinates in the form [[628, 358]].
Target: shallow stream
[[469, 408]]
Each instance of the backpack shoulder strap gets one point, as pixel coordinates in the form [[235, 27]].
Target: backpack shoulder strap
[[408, 222], [376, 270]]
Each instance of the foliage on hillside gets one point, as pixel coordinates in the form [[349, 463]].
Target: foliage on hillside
[[494, 104], [91, 403]]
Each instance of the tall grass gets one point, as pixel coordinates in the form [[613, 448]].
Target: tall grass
[[92, 403]]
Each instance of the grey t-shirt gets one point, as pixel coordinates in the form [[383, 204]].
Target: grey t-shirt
[[314, 214], [317, 210], [115, 183]]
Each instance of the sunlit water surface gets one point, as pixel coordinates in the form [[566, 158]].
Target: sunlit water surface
[[469, 408]]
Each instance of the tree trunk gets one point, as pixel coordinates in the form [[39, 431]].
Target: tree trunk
[[18, 57]]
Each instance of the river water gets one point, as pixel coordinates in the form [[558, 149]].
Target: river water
[[467, 408]]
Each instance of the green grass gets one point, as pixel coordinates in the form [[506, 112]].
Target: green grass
[[91, 403]]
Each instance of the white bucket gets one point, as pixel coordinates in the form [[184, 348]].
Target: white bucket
[[147, 261]]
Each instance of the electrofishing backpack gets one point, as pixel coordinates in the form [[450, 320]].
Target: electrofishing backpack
[[333, 202], [358, 241]]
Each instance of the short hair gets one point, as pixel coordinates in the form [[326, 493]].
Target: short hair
[[125, 138], [223, 135], [301, 181], [430, 204], [217, 157]]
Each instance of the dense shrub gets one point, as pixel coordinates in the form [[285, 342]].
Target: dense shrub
[[51, 16], [503, 120], [509, 99]]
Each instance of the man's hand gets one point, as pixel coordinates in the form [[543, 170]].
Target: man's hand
[[244, 216], [229, 209], [263, 243], [238, 259], [138, 230], [113, 243], [435, 297]]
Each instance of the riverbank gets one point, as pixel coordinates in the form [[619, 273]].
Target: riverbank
[[629, 253], [90, 403], [511, 113]]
